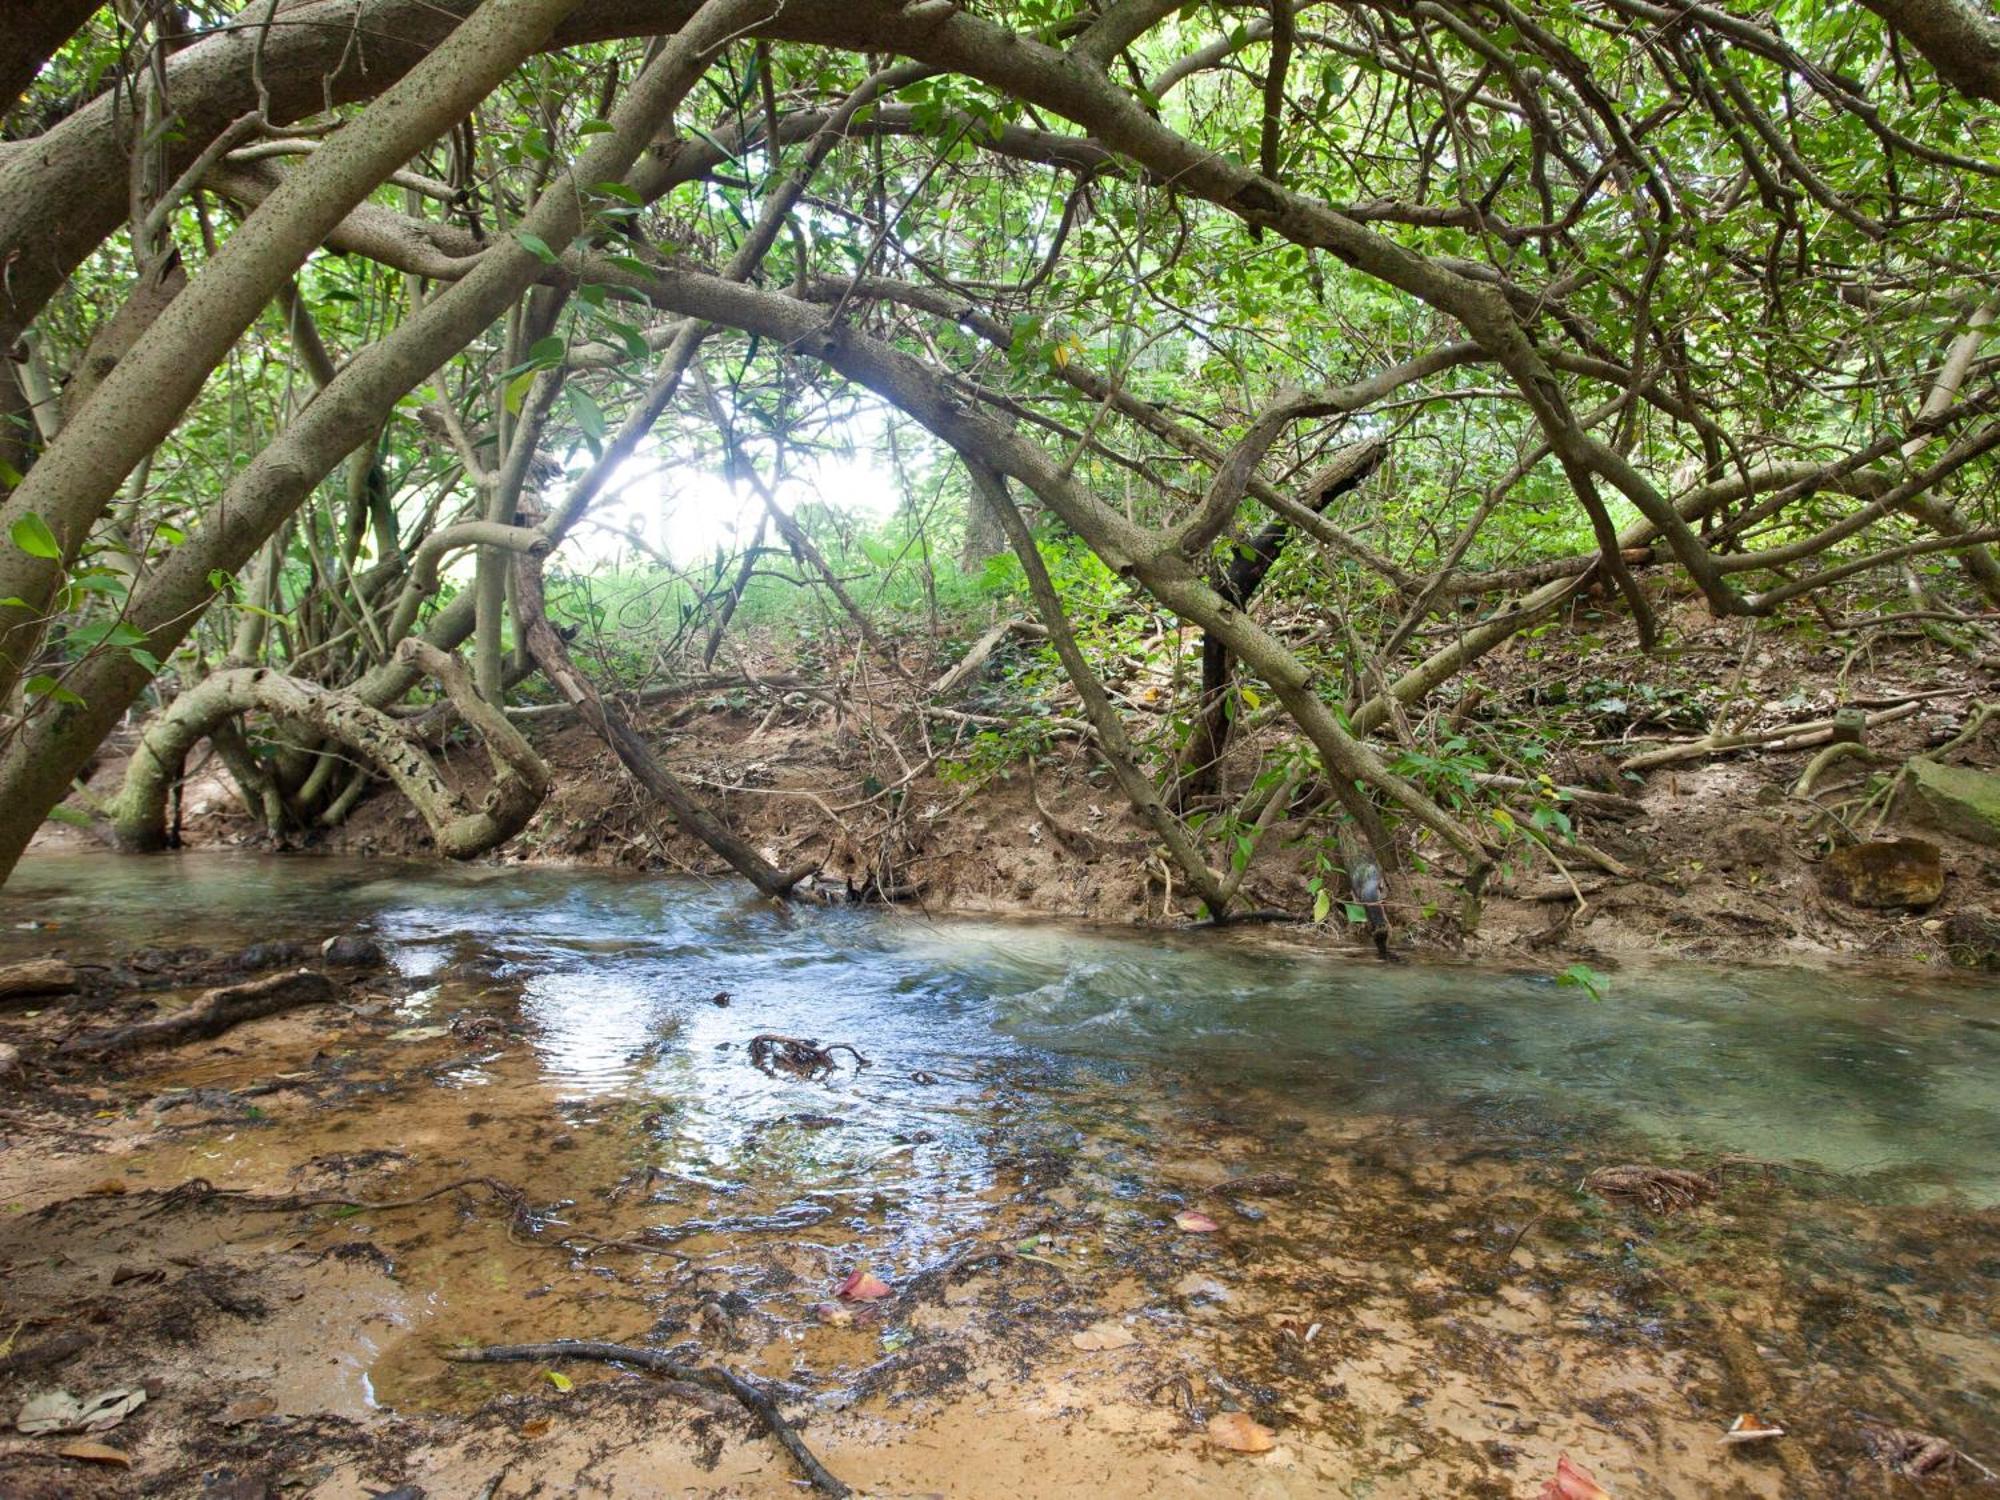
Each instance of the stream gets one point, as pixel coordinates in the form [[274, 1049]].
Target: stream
[[1065, 1091]]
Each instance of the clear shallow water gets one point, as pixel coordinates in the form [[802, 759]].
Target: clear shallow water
[[1887, 1077]]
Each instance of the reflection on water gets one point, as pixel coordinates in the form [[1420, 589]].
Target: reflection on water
[[1875, 1075]]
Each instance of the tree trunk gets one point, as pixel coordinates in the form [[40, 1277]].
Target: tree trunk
[[1957, 37], [43, 756], [460, 830], [611, 726], [142, 397], [30, 33], [1208, 734], [1112, 743]]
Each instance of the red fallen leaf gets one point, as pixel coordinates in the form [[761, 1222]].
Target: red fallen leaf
[[1195, 1223], [1573, 1482], [860, 1286]]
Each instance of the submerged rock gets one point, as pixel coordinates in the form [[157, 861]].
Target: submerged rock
[[1958, 800], [260, 956], [1898, 872], [352, 951]]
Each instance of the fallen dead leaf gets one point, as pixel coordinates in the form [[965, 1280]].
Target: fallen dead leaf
[[1195, 1223], [1240, 1433], [1104, 1336], [96, 1453], [249, 1409], [861, 1286], [55, 1412], [1573, 1482], [536, 1428]]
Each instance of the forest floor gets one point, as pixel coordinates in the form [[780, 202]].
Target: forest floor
[[282, 1234], [1710, 857], [279, 1234]]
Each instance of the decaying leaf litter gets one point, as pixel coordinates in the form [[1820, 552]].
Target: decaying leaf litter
[[1160, 1278]]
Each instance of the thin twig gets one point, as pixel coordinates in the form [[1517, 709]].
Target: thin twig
[[715, 1377]]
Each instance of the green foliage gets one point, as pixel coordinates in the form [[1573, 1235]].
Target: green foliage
[[1583, 977], [32, 535]]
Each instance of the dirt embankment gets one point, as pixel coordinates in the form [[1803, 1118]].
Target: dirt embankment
[[1716, 854]]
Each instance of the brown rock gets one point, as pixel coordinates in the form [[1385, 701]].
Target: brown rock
[[1972, 938], [40, 976], [1899, 872]]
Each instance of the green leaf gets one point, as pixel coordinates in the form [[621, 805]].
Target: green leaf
[[108, 584], [9, 475], [517, 391], [622, 193], [1322, 905], [589, 415], [48, 687], [549, 351], [1585, 978], [32, 535], [629, 335], [108, 633], [537, 247]]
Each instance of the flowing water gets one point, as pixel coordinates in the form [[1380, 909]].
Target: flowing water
[[1081, 1084], [1890, 1078]]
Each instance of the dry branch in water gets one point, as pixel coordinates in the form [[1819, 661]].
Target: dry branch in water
[[799, 1056], [1660, 1189]]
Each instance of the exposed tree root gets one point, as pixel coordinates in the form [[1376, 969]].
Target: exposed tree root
[[715, 1377], [214, 1013], [461, 831], [1791, 737]]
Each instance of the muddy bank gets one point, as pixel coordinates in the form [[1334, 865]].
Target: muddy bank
[[1106, 1260], [1713, 856]]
